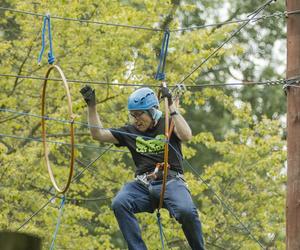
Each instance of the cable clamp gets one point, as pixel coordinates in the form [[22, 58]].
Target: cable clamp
[[180, 89], [290, 82], [73, 117]]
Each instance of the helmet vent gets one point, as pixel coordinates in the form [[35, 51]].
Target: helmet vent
[[142, 99]]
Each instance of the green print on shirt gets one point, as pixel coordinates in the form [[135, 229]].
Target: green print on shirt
[[150, 146]]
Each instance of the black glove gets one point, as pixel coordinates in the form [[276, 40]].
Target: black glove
[[166, 93], [89, 95]]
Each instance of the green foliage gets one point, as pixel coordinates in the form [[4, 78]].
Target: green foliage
[[245, 164]]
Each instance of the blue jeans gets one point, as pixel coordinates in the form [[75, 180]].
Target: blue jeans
[[134, 197]]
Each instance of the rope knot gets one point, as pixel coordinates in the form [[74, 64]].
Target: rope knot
[[160, 76], [46, 25], [51, 58]]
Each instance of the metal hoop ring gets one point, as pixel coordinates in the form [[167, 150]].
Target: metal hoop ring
[[46, 151]]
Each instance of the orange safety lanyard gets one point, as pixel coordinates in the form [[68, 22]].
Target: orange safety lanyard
[[168, 132]]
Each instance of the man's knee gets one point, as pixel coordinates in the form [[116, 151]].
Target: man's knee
[[120, 202], [187, 214]]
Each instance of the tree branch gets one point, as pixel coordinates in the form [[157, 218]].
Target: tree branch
[[12, 117], [22, 65], [10, 149]]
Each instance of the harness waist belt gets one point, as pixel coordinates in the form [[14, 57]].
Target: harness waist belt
[[143, 178]]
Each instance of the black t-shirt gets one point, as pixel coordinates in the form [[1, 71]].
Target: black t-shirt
[[146, 152]]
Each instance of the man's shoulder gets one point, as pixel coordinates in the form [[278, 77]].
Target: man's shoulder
[[127, 128]]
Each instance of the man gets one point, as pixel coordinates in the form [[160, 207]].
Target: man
[[144, 137]]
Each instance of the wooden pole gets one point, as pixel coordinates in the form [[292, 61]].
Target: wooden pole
[[19, 241], [293, 127]]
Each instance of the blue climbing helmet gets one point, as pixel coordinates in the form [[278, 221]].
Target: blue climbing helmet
[[143, 99]]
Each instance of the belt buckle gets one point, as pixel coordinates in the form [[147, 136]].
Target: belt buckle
[[180, 176], [142, 179]]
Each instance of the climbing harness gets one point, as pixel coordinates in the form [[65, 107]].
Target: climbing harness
[[147, 179], [158, 172]]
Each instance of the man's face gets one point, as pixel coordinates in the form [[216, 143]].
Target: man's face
[[141, 120]]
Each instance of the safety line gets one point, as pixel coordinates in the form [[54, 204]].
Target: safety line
[[84, 20], [85, 199], [168, 242], [244, 84], [91, 163], [100, 198], [277, 14], [223, 203], [36, 213], [79, 123], [80, 81], [226, 41], [268, 82], [60, 143], [161, 234], [58, 222]]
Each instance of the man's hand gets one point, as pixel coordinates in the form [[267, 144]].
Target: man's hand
[[89, 95], [166, 93]]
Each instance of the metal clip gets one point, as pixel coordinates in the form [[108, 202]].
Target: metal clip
[[142, 179], [180, 89]]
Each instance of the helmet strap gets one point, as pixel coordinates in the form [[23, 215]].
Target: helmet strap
[[155, 114]]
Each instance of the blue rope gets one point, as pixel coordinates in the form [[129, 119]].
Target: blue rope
[[43, 41], [58, 221], [160, 230], [160, 74], [51, 57]]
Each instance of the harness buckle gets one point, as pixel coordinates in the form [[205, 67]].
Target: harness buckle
[[157, 175], [158, 171], [142, 179]]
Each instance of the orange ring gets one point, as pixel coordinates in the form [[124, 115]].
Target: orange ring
[[46, 151]]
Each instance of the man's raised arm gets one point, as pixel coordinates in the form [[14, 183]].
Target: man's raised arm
[[181, 128], [96, 127]]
